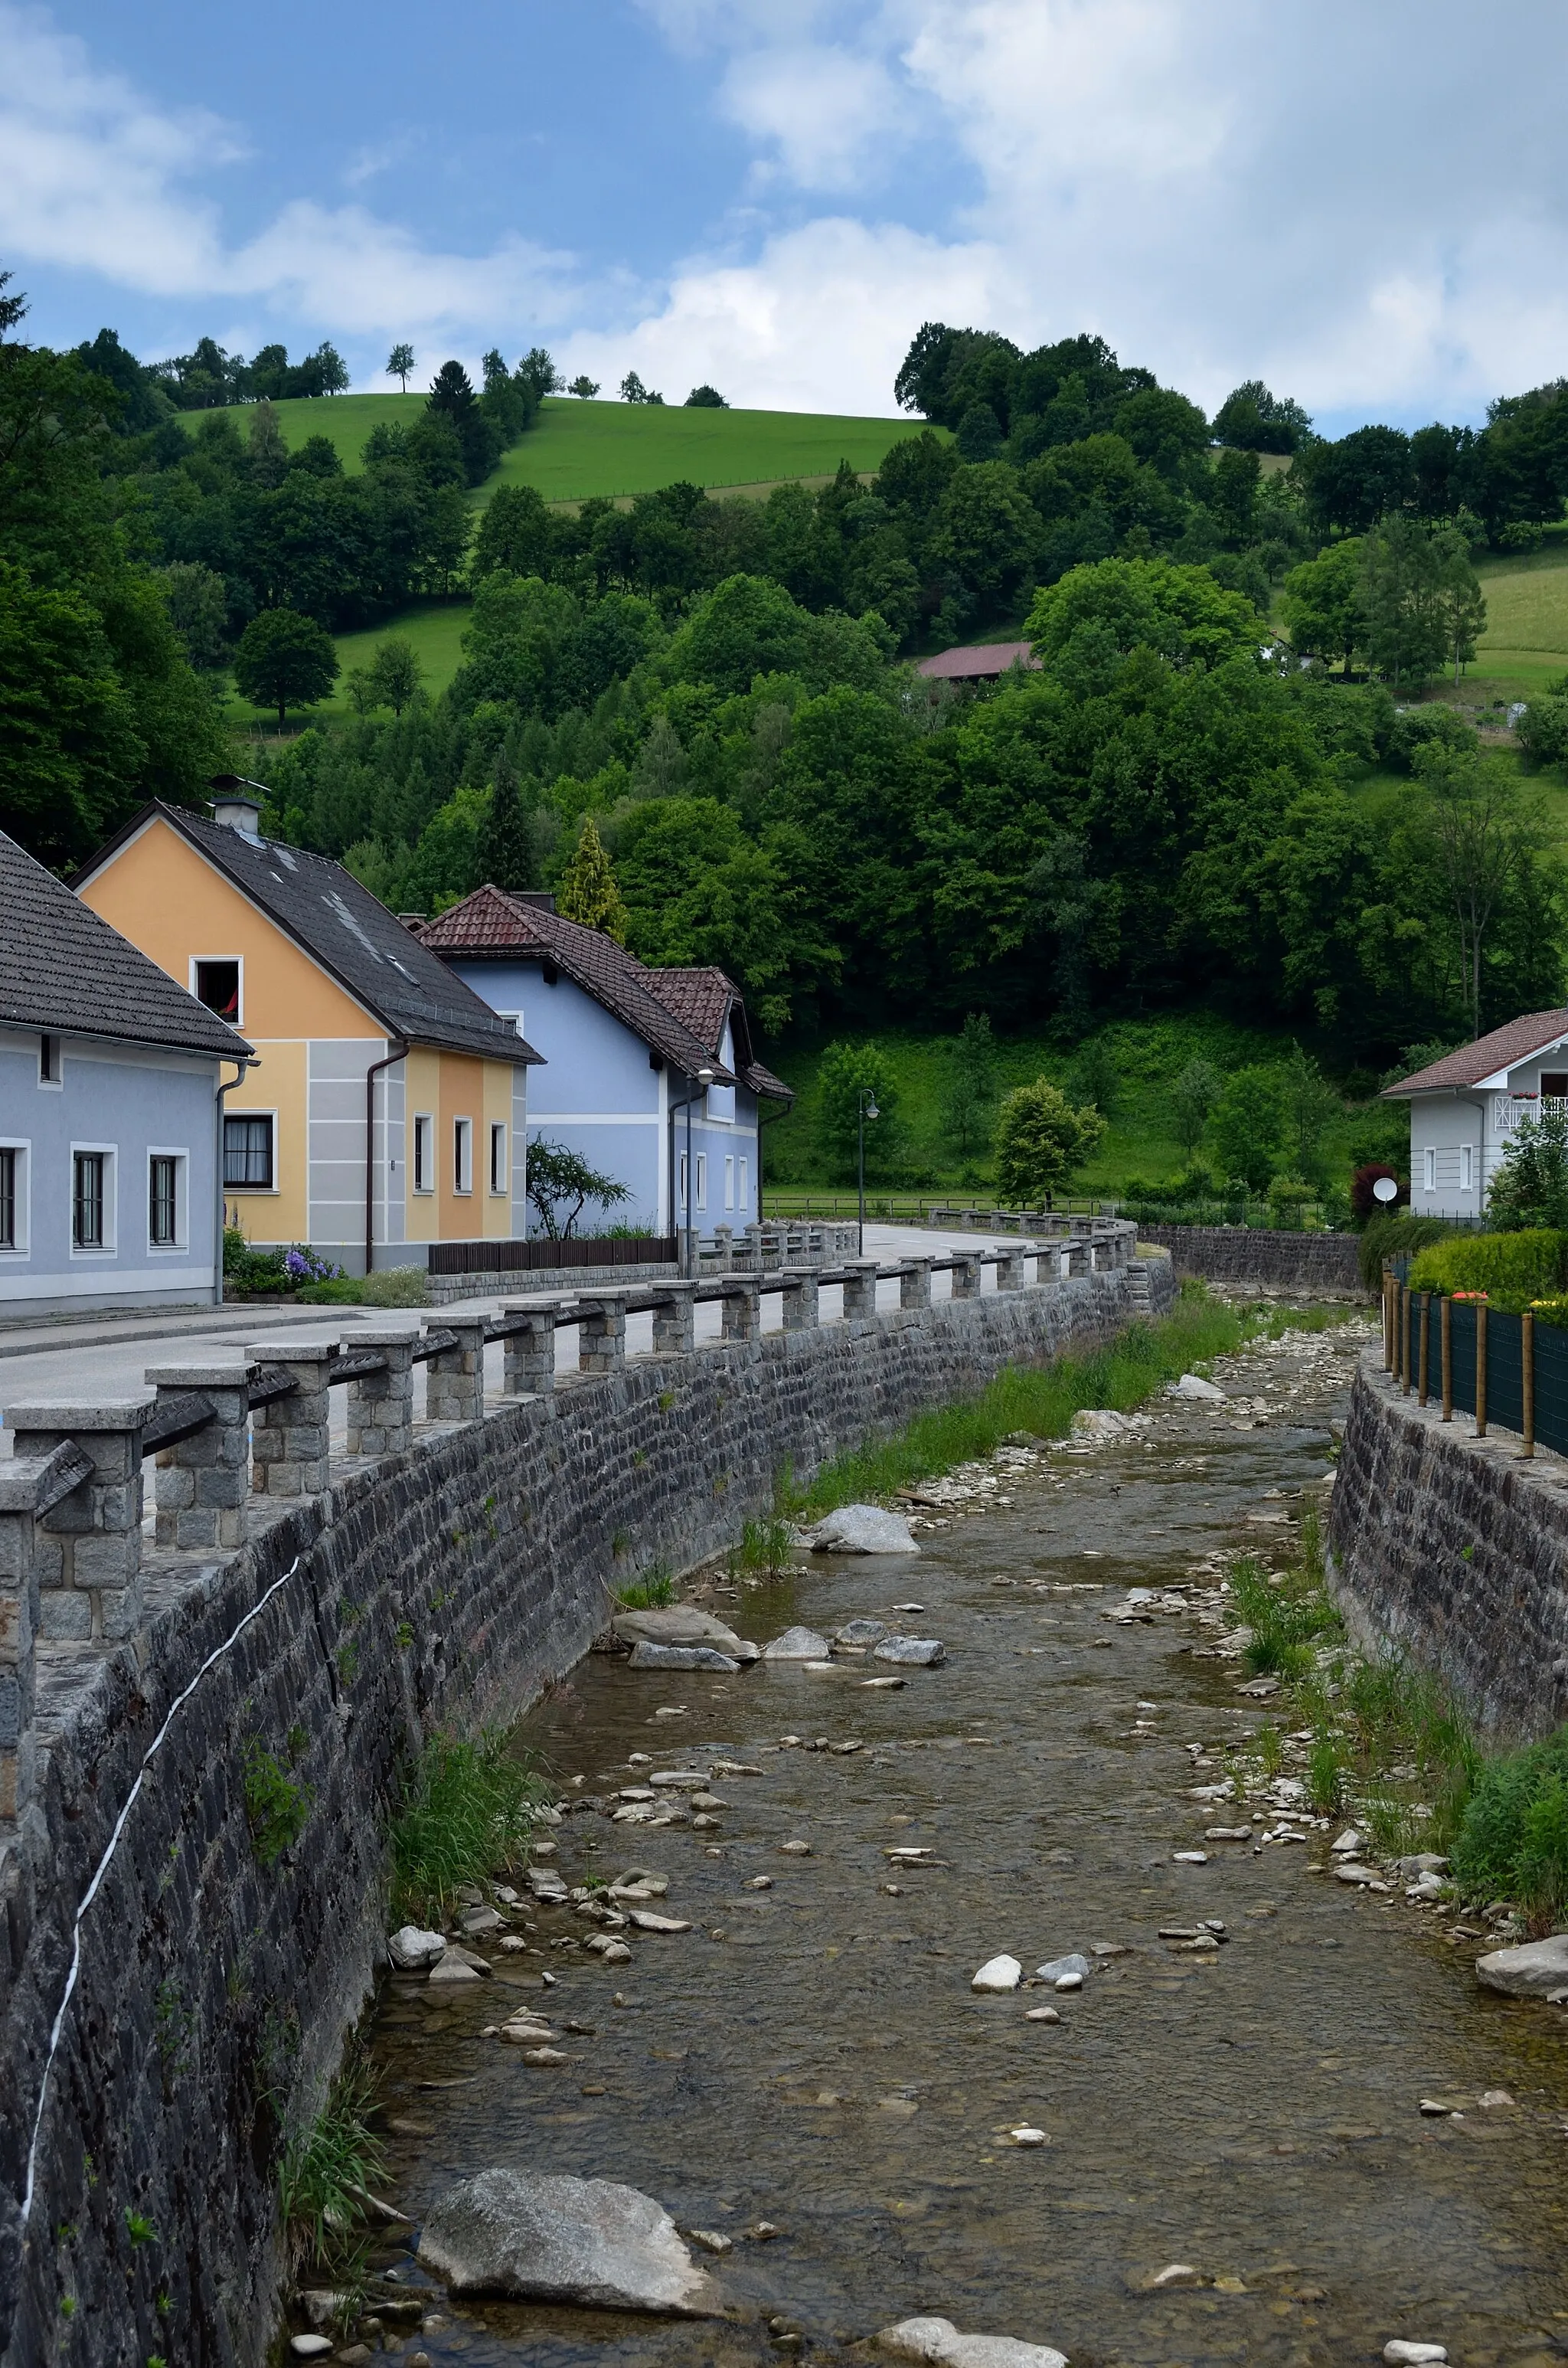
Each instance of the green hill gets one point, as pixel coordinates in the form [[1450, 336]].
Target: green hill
[[577, 449], [1525, 641]]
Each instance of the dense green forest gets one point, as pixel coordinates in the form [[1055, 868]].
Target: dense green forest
[[1173, 811]]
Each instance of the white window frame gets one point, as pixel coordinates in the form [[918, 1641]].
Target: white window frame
[[181, 1245], [110, 1154], [680, 1190], [425, 1154], [1429, 1170], [1467, 1168], [728, 1182], [254, 1191], [21, 1148], [498, 1165], [463, 1158], [745, 1184], [239, 961], [55, 1084], [515, 1017], [703, 1180]]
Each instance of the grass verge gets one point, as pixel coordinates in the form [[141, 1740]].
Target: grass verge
[[467, 1815], [324, 2185], [1044, 1399]]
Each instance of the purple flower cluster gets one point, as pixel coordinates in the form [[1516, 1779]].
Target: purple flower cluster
[[303, 1266]]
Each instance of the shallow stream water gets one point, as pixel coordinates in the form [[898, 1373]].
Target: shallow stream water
[[812, 2056]]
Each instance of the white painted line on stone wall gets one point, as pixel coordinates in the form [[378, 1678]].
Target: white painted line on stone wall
[[107, 1859]]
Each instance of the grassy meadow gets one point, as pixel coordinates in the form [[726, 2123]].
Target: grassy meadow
[[576, 450], [1145, 1056]]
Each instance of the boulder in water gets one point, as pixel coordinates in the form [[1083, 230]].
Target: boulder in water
[[681, 1624], [1539, 1969], [938, 2343], [680, 1656], [1193, 1385], [863, 1529], [912, 1652], [411, 1950], [798, 1645], [532, 2234]]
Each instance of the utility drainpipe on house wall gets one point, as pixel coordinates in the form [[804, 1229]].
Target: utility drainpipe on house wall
[[220, 1195], [400, 1052]]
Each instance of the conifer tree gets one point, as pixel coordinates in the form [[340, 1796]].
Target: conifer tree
[[507, 844], [588, 892]]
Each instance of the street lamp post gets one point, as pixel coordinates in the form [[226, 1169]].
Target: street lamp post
[[864, 1108]]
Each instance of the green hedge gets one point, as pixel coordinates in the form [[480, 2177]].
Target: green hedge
[[1520, 1267], [1395, 1237]]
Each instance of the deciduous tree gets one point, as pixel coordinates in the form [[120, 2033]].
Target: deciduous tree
[[399, 362], [1041, 1139], [284, 660]]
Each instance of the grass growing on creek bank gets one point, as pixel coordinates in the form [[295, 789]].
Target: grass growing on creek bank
[[1044, 1399], [467, 1815], [1390, 1747]]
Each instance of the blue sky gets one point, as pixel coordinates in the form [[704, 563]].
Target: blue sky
[[1366, 204]]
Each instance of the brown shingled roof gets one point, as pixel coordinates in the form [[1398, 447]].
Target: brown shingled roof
[[1489, 1054], [979, 662], [679, 1013]]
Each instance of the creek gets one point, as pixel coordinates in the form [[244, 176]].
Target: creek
[[809, 2056]]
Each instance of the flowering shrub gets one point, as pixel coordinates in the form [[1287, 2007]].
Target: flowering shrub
[[300, 1264]]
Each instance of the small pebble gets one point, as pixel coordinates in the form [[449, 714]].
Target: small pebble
[[1026, 2137], [1069, 1981], [1399, 2353], [1043, 2014]]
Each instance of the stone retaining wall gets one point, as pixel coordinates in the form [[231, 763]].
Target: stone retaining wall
[[1455, 1549], [1254, 1255], [211, 1994]]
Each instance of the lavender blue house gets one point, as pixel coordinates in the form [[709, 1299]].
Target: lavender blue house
[[110, 1079], [624, 1046]]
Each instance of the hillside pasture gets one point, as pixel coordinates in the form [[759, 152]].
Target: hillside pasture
[[577, 449]]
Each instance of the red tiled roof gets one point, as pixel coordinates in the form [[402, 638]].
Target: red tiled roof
[[679, 1013], [1505, 1046], [973, 665]]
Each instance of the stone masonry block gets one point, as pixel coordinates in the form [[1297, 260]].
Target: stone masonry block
[[800, 1302], [674, 1320], [966, 1278], [528, 1354], [915, 1283], [65, 1616], [1010, 1270], [601, 1334], [860, 1291], [454, 1379], [288, 1444], [743, 1311]]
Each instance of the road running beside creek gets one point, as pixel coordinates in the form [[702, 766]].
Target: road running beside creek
[[809, 2059]]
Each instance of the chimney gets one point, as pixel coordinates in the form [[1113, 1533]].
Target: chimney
[[237, 804]]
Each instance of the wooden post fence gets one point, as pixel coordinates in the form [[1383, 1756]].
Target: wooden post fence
[[1481, 1369], [1448, 1331]]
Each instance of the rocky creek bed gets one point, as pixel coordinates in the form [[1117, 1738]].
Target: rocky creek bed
[[1215, 2151]]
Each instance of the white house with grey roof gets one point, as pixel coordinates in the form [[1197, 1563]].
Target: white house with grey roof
[[111, 1087], [1464, 1107]]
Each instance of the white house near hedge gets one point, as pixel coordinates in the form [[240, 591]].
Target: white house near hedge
[[1464, 1107]]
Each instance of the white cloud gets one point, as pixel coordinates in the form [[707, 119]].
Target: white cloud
[[826, 111], [820, 322]]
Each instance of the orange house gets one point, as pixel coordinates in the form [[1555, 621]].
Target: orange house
[[387, 1106]]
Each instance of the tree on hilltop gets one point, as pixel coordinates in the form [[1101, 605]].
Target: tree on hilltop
[[583, 386], [399, 361], [633, 391], [705, 398]]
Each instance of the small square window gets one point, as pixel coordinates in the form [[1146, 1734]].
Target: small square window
[[248, 1153], [1554, 1085], [217, 987]]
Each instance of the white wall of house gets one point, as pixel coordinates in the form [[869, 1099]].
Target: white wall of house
[[1458, 1135]]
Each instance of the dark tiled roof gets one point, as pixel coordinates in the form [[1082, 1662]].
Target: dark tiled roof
[[66, 972], [351, 934], [1488, 1055], [705, 1000], [491, 924], [974, 664]]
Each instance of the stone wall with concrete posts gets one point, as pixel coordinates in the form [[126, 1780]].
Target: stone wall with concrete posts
[[1455, 1549], [171, 2002]]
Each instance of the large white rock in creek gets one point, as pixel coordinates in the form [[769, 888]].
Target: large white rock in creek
[[1091, 1423], [680, 1656], [1399, 2354], [555, 2240], [936, 2342], [863, 1529], [1539, 1969], [411, 1950], [1193, 1385], [998, 1973], [681, 1624], [912, 1652], [798, 1645]]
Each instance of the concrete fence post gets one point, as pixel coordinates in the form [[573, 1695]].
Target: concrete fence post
[[529, 1352], [601, 1334], [674, 1320], [454, 1377], [200, 1484], [966, 1278], [743, 1311], [860, 1291], [915, 1283], [290, 1440], [800, 1302], [380, 1406], [1010, 1269], [89, 1548], [1080, 1258]]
